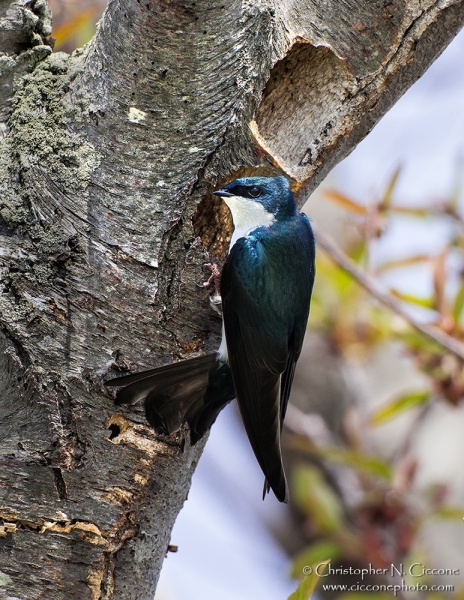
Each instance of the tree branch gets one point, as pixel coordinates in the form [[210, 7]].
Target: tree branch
[[378, 291]]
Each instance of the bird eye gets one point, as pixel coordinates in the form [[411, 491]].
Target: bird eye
[[254, 192]]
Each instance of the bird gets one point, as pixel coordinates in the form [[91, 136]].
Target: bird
[[265, 285]]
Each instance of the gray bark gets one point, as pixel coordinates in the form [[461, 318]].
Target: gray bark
[[107, 162]]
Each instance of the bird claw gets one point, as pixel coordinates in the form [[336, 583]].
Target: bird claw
[[215, 302], [214, 279]]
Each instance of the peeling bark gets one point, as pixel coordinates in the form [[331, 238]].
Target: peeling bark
[[107, 162]]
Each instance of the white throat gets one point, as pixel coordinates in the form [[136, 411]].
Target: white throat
[[247, 215]]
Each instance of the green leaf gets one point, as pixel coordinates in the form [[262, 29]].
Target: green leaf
[[458, 303], [419, 342], [398, 405], [357, 252], [454, 513], [367, 463], [424, 302], [308, 584], [371, 465], [317, 499], [455, 194], [314, 554]]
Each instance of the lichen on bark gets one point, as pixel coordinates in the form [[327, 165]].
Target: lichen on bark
[[46, 137]]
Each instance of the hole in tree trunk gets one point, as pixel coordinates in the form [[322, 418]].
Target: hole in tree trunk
[[303, 96], [115, 431]]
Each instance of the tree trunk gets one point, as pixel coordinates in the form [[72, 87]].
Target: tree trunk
[[107, 162]]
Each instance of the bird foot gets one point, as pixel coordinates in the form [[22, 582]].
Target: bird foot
[[215, 299], [215, 302], [214, 278]]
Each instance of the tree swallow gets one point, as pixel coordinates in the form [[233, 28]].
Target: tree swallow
[[266, 286]]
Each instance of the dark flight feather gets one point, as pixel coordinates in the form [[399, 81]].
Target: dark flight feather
[[193, 391]]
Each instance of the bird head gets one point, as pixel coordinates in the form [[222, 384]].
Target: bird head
[[270, 196]]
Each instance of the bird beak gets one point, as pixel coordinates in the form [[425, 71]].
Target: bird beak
[[224, 193]]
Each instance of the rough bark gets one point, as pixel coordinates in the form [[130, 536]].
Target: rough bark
[[107, 162]]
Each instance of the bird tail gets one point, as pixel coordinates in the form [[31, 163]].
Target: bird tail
[[261, 419], [192, 391], [279, 487]]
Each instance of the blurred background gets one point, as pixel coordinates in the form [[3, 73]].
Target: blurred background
[[374, 442]]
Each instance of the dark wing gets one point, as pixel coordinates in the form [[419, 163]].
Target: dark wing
[[264, 338], [192, 391], [306, 268], [286, 381]]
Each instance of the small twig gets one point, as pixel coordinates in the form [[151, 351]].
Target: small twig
[[378, 290]]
